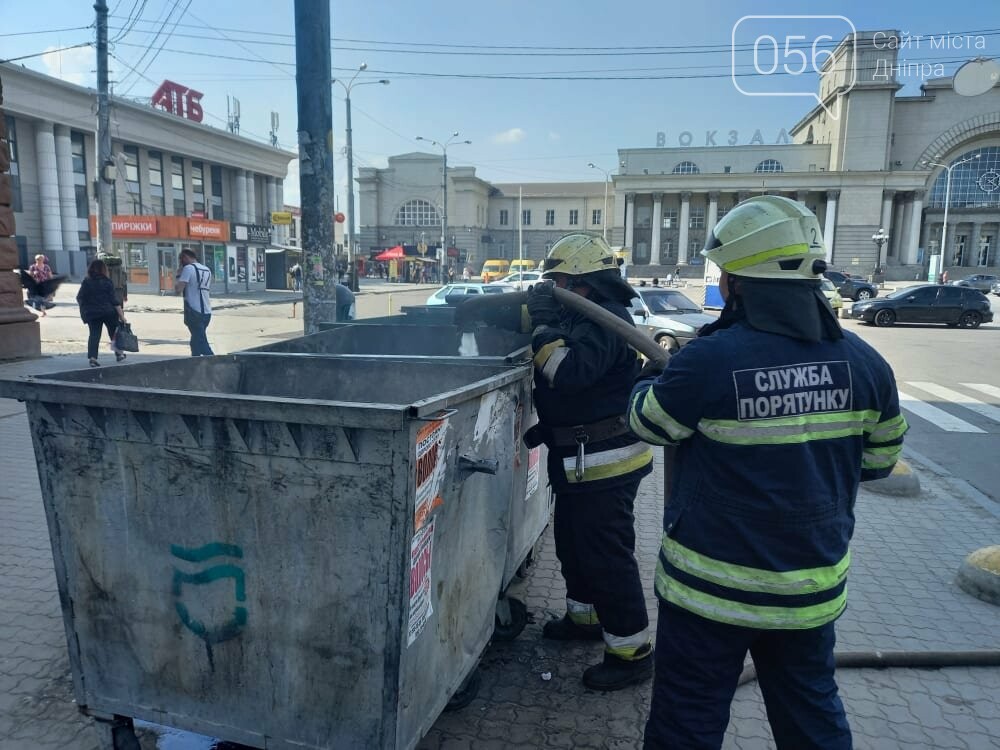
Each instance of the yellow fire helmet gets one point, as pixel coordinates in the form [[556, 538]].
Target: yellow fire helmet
[[768, 237], [578, 254]]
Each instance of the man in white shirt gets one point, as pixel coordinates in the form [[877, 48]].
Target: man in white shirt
[[194, 282]]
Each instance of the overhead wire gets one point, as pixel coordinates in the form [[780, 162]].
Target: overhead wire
[[169, 7]]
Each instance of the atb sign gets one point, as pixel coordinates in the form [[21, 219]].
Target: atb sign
[[775, 55]]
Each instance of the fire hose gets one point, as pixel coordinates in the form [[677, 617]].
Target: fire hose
[[646, 346]]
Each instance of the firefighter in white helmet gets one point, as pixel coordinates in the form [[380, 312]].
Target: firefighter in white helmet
[[778, 415]]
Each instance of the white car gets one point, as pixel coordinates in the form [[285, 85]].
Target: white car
[[668, 316], [527, 278], [440, 296]]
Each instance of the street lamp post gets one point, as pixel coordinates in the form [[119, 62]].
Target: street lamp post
[[352, 278], [947, 202], [879, 238], [604, 216], [444, 187]]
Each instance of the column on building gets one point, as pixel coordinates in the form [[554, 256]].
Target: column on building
[[629, 220], [241, 197], [886, 216], [713, 212], [927, 231], [272, 198], [831, 222], [251, 198], [279, 192], [896, 235], [904, 228], [654, 248], [974, 239], [67, 189], [802, 196], [916, 209], [685, 219], [48, 187]]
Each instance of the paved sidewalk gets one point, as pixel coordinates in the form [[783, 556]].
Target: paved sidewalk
[[902, 596]]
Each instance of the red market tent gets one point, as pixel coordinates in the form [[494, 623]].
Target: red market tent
[[393, 253]]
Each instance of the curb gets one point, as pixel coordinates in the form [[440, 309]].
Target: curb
[[979, 575], [903, 482]]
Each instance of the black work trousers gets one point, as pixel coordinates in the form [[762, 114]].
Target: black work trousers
[[595, 544]]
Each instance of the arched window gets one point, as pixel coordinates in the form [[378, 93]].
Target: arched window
[[769, 165], [417, 213], [686, 167], [974, 184]]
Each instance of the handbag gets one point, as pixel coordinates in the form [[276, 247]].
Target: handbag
[[125, 340]]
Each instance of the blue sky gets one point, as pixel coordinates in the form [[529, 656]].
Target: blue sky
[[522, 130]]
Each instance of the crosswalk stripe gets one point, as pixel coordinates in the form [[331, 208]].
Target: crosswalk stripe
[[972, 404], [935, 416], [989, 390]]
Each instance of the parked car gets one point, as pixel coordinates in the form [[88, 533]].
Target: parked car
[[982, 281], [831, 293], [526, 277], [851, 287], [440, 297], [668, 316], [996, 289], [927, 303]]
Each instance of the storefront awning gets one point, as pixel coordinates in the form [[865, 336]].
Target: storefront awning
[[393, 253]]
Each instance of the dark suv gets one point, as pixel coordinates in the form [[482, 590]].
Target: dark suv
[[851, 287]]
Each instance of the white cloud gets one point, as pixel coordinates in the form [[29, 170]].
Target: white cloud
[[553, 136], [71, 65], [514, 135], [291, 184]]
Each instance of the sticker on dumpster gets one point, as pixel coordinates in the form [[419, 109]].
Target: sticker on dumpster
[[518, 414], [231, 614], [421, 553], [430, 465], [534, 455]]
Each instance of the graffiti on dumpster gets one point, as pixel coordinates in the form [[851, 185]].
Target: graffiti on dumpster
[[233, 624]]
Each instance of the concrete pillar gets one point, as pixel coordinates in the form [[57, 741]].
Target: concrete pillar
[[272, 199], [654, 248], [975, 237], [685, 219], [67, 189], [802, 196], [916, 215], [831, 222], [279, 205], [629, 220], [48, 188], [713, 212], [904, 228], [896, 235], [885, 218], [241, 197], [251, 198]]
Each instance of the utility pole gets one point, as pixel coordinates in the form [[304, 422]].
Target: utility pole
[[315, 109], [444, 184], [105, 164]]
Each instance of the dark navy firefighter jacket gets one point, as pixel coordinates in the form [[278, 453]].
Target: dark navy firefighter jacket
[[774, 435], [583, 375]]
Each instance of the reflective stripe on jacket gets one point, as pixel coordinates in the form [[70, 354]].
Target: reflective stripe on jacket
[[774, 436]]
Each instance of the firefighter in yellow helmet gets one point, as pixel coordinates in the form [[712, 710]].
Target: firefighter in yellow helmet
[[583, 377], [778, 414]]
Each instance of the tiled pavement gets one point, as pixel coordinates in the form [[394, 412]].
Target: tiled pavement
[[902, 596]]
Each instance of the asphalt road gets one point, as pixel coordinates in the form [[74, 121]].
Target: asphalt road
[[954, 371]]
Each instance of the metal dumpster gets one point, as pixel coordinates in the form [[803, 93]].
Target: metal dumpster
[[402, 338], [531, 499], [255, 548]]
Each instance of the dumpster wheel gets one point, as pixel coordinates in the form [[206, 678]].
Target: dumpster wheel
[[518, 618], [466, 692]]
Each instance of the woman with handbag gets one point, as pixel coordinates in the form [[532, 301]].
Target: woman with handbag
[[99, 308]]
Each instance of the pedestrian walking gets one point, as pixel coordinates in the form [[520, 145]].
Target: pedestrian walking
[[778, 414], [583, 377], [466, 275], [99, 308], [297, 277], [345, 304], [194, 282]]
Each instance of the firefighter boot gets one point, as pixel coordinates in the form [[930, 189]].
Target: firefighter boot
[[567, 629], [620, 671]]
